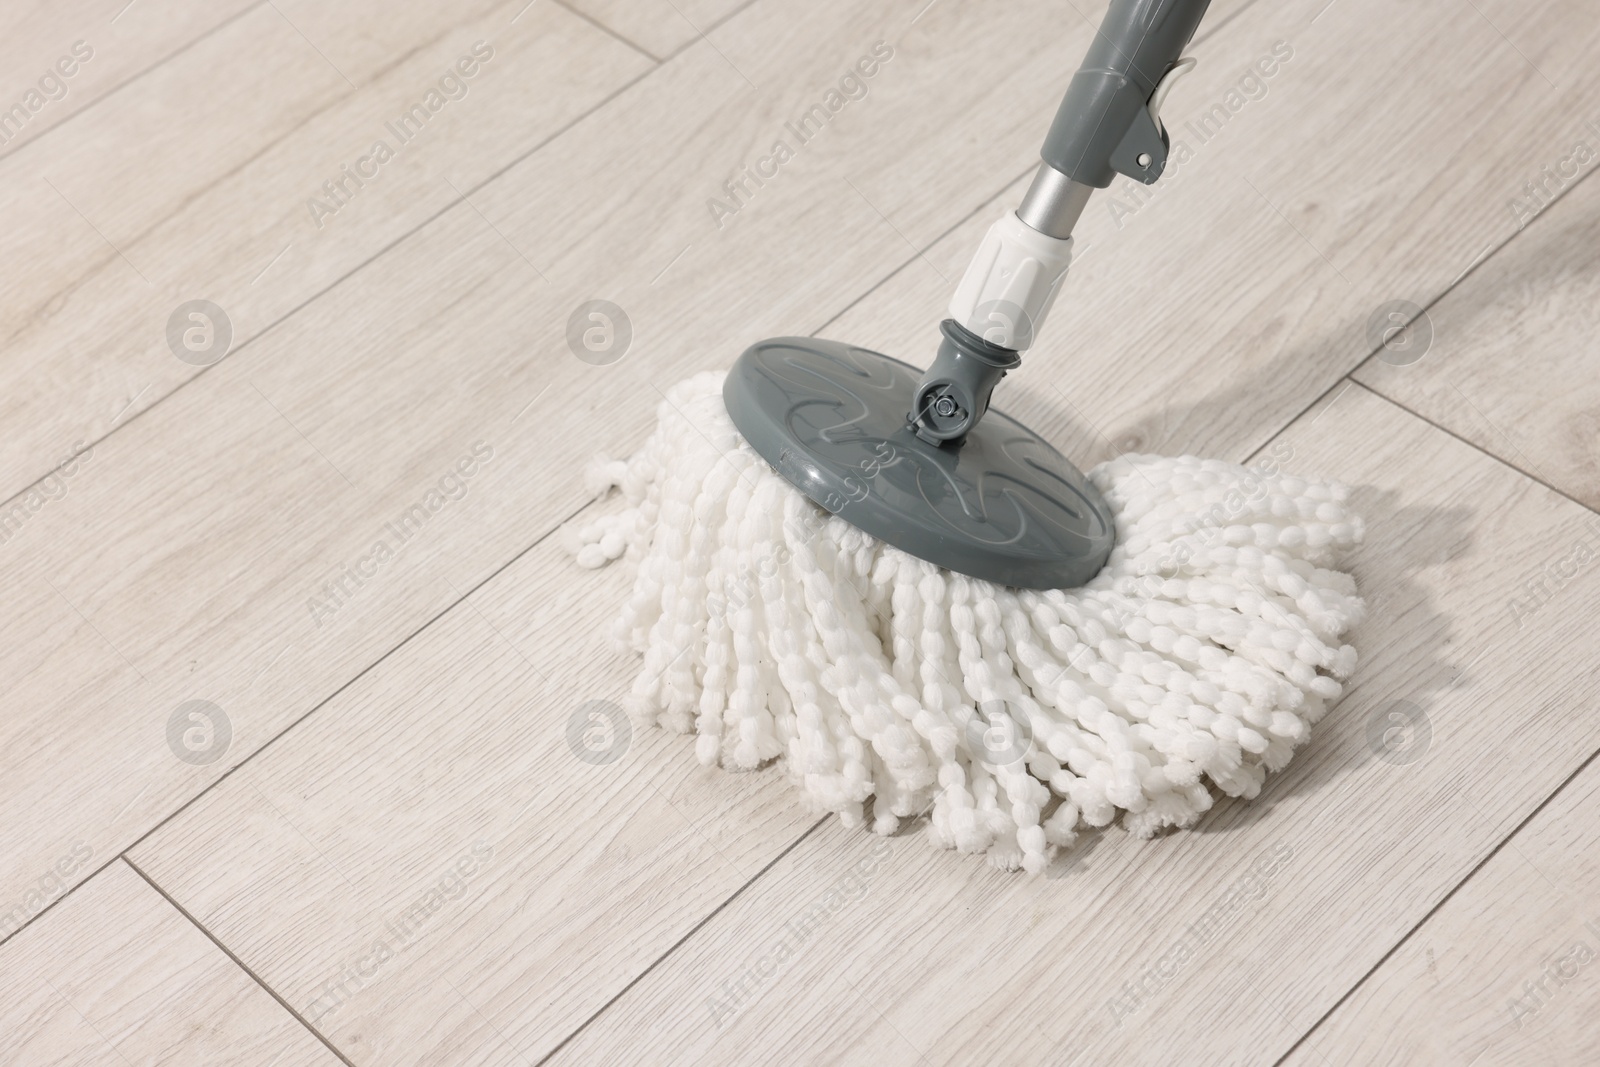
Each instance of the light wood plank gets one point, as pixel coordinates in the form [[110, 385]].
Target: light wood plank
[[940, 958], [1514, 356], [1559, 57], [115, 43], [196, 182], [116, 975], [1506, 972], [578, 874], [660, 27]]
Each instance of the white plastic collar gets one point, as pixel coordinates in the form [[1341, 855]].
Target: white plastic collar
[[1011, 283]]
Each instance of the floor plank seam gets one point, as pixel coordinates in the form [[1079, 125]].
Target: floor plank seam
[[1343, 379], [175, 53], [237, 962], [369, 79], [1501, 460], [607, 30], [1503, 842], [683, 940], [685, 46], [1359, 363]]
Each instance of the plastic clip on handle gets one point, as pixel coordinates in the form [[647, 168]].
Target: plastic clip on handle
[[1104, 126], [1108, 124]]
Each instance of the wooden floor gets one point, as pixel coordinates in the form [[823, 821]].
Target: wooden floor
[[371, 843]]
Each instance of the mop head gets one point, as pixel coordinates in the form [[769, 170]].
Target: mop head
[[1199, 657]]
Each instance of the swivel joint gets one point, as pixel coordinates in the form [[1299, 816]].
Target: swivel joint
[[954, 393]]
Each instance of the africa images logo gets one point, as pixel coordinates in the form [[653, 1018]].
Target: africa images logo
[[453, 84], [740, 188], [15, 915], [51, 86], [399, 933], [340, 589]]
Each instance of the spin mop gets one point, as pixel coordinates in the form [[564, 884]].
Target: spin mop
[[918, 606]]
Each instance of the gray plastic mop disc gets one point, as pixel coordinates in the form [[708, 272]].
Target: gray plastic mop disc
[[1004, 505]]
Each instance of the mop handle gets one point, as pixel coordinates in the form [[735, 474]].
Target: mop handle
[[1109, 123], [1105, 125]]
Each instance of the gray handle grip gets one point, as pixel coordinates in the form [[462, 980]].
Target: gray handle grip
[[1104, 126]]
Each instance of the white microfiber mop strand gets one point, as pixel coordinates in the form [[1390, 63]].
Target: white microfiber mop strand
[[1206, 647]]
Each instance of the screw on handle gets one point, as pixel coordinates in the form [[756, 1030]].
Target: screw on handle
[[954, 393], [1105, 125]]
